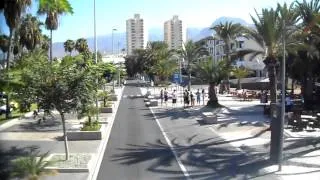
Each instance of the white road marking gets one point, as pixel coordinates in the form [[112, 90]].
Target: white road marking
[[182, 167]]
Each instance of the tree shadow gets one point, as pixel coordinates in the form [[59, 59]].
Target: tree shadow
[[205, 159], [6, 157]]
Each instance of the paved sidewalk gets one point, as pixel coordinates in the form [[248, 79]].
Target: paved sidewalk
[[301, 149], [18, 137]]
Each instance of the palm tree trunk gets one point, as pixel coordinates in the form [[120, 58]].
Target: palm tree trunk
[[308, 92], [10, 50], [213, 100], [50, 45], [239, 83], [189, 83], [65, 137], [272, 82]]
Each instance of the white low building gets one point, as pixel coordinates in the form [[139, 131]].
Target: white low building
[[116, 59]]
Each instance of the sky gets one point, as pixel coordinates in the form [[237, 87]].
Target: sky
[[114, 13]]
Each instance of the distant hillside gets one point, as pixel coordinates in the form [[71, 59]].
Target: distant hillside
[[105, 42], [154, 34], [205, 32]]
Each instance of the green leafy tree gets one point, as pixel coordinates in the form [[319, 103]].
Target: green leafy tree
[[69, 46], [191, 53], [32, 167], [212, 73], [139, 62], [12, 11], [53, 9], [65, 86], [30, 32]]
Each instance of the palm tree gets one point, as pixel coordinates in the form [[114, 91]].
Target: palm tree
[[228, 33], [32, 167], [12, 11], [268, 33], [212, 73], [239, 73], [45, 40], [69, 46], [164, 68], [53, 9], [81, 45], [30, 32], [4, 47], [191, 53], [309, 52]]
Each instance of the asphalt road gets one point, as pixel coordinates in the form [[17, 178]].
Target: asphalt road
[[137, 149]]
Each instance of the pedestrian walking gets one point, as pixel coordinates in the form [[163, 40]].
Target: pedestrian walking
[[165, 96], [198, 97], [161, 96], [203, 95], [174, 98], [192, 98], [186, 98]]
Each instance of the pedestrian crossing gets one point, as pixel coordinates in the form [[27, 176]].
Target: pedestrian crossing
[[131, 96]]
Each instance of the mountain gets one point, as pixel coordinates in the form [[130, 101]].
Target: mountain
[[205, 32], [192, 32], [154, 34], [105, 42]]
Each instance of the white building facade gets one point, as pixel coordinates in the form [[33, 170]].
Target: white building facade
[[216, 46], [135, 33], [173, 33]]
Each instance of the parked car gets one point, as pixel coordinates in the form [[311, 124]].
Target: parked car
[[3, 109]]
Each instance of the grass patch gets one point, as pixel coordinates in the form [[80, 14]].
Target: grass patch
[[14, 114], [94, 126]]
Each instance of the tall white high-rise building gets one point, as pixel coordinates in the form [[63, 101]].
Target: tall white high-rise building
[[173, 33], [135, 34]]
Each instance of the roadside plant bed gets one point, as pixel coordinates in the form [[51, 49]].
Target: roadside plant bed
[[106, 109], [113, 97], [87, 132], [95, 126], [79, 162]]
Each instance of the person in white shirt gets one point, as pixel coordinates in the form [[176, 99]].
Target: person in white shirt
[[174, 98]]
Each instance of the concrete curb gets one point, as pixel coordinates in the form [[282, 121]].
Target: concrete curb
[[8, 124], [97, 159], [71, 170]]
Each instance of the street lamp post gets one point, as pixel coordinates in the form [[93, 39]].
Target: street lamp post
[[283, 96], [95, 46], [112, 54]]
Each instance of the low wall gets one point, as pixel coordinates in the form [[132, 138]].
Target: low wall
[[113, 97], [106, 110], [85, 135]]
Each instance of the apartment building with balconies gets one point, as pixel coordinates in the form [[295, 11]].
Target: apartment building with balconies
[[173, 33], [135, 33]]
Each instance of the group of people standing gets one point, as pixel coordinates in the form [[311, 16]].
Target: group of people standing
[[188, 97]]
